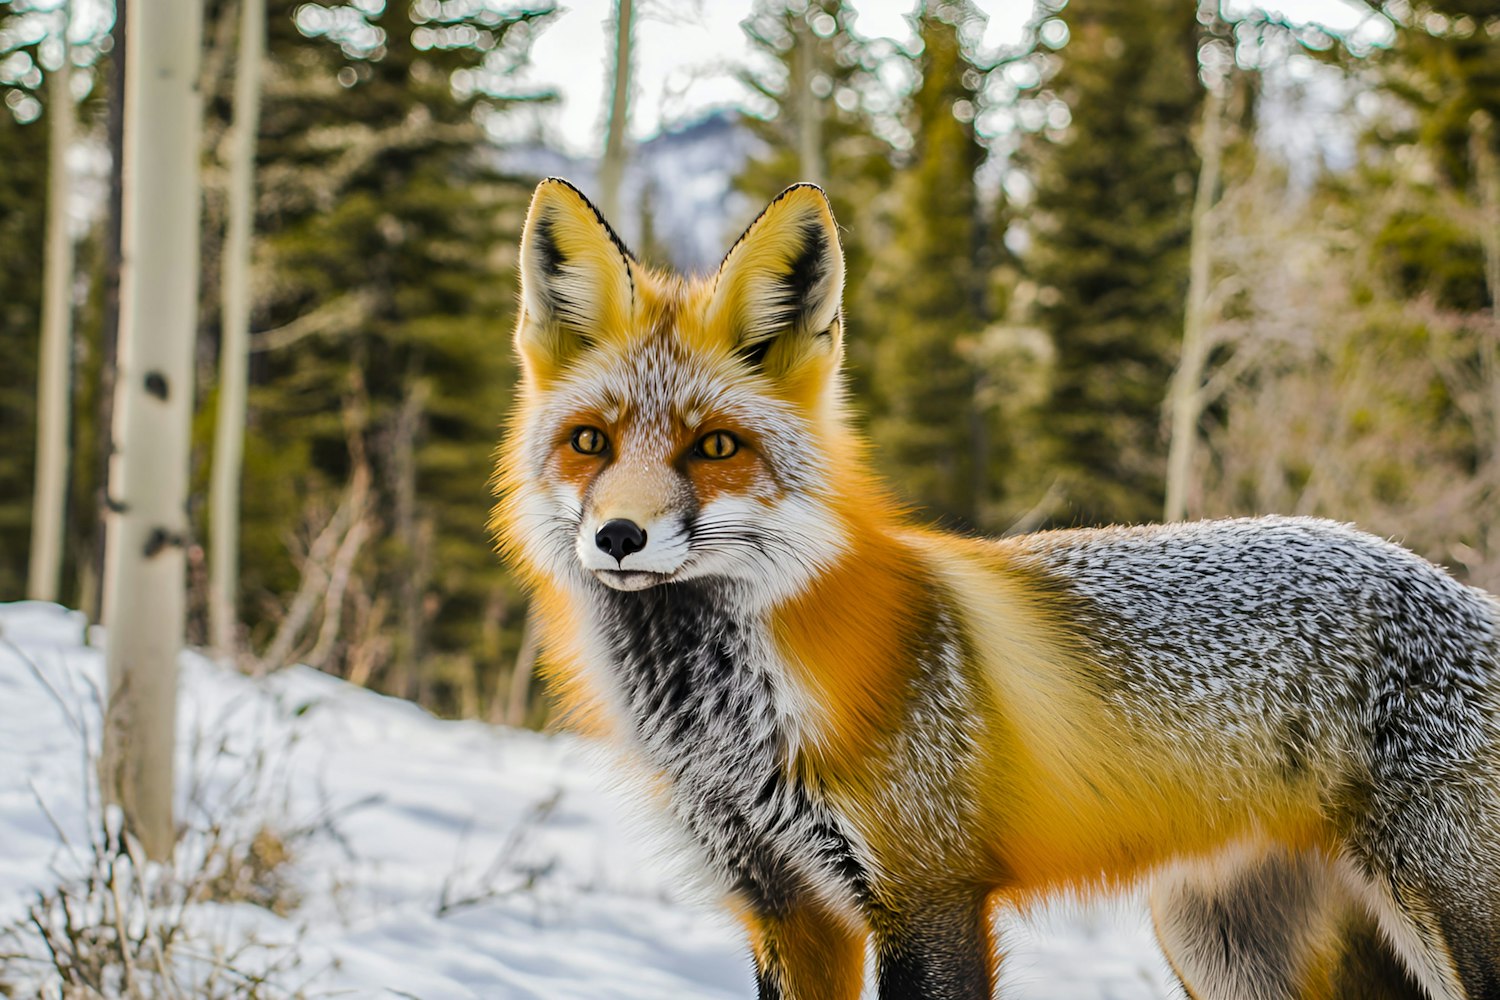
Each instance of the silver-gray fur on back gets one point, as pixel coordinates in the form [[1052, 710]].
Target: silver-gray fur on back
[[1317, 652]]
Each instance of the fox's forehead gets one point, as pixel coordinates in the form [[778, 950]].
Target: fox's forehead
[[660, 378], [672, 313]]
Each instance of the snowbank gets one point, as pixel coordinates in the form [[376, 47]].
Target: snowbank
[[445, 859]]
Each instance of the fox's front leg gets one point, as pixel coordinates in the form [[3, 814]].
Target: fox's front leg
[[807, 953], [938, 948]]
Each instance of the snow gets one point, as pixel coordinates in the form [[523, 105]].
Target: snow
[[555, 888]]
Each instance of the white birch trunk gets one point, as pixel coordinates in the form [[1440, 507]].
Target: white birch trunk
[[519, 698], [229, 427], [1186, 398], [49, 500], [1487, 184], [809, 110], [612, 167], [144, 601]]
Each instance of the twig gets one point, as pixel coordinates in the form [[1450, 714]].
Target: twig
[[45, 934], [333, 603], [52, 820], [338, 315], [168, 986], [46, 684], [485, 890], [122, 938]]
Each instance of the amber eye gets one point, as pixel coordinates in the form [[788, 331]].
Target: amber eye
[[589, 441], [717, 444]]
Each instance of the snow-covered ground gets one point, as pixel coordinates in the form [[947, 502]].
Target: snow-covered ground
[[552, 886]]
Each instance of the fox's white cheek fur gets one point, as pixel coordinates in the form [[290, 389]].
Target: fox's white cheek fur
[[546, 520], [775, 548]]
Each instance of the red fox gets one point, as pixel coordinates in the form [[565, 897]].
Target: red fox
[[874, 733]]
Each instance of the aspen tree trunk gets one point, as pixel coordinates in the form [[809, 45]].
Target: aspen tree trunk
[[144, 598], [1482, 140], [1187, 383], [229, 427], [53, 376], [519, 698], [612, 167], [93, 602], [414, 542], [809, 112], [1487, 181]]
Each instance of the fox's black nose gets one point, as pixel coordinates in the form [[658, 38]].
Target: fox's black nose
[[620, 537]]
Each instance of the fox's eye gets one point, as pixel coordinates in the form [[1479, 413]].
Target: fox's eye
[[718, 444], [589, 441]]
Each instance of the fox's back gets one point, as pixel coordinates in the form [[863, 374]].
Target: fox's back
[[1304, 642]]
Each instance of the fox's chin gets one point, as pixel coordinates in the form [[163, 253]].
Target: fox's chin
[[631, 579]]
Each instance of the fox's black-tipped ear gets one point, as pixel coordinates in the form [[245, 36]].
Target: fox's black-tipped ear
[[577, 279], [777, 293]]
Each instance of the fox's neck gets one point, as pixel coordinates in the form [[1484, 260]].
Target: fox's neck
[[821, 671], [686, 656], [696, 671], [829, 658], [855, 634]]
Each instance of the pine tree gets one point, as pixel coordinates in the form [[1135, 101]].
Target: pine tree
[[1111, 223], [26, 29], [926, 306], [383, 316], [23, 185], [818, 81], [1443, 70]]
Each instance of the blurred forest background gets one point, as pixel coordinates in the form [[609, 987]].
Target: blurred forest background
[[1158, 259]]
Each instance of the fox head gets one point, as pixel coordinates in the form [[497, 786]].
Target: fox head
[[670, 430]]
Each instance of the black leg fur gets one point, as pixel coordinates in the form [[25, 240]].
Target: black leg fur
[[943, 954], [1368, 968], [766, 986], [1279, 926], [1432, 852]]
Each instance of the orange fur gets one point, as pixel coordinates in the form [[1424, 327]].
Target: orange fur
[[847, 640], [824, 954]]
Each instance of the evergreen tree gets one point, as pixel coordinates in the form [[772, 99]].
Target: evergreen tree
[[819, 82], [23, 200], [27, 29], [1445, 70], [384, 256], [1111, 223], [926, 307]]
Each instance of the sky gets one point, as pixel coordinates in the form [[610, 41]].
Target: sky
[[687, 50]]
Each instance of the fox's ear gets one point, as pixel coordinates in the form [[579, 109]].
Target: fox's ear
[[577, 280], [777, 293]]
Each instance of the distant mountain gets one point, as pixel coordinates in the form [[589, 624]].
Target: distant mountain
[[677, 187]]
